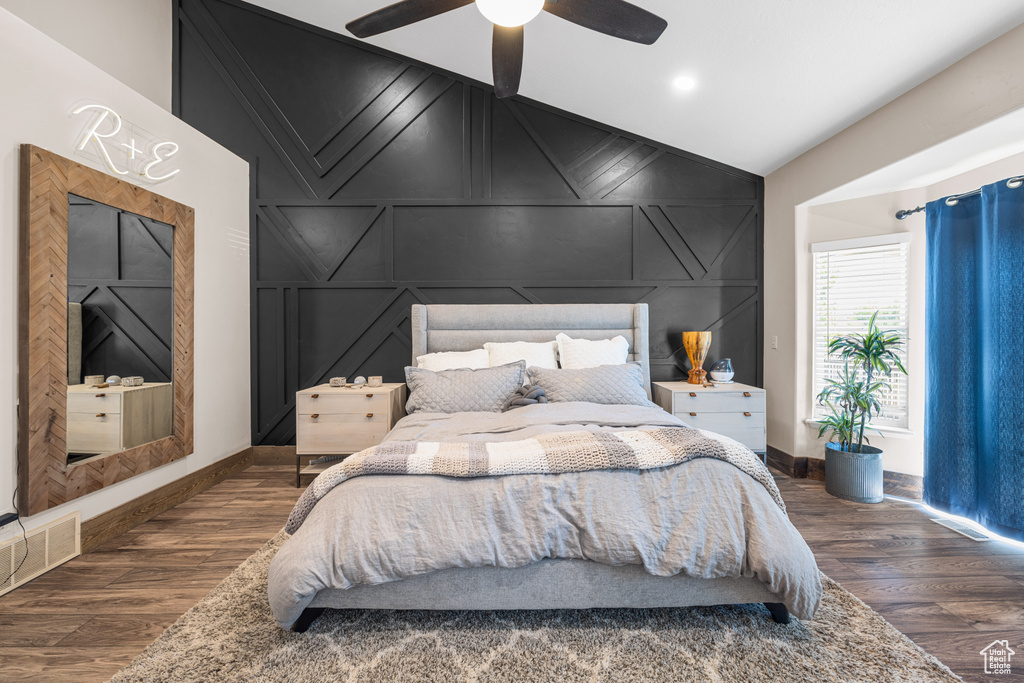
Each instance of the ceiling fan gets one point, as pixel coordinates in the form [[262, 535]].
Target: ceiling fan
[[616, 18]]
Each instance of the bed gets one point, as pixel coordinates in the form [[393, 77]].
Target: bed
[[716, 537]]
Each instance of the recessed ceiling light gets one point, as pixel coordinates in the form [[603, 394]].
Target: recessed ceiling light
[[684, 83]]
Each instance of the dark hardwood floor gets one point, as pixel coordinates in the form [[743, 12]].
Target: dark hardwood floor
[[88, 618], [949, 594]]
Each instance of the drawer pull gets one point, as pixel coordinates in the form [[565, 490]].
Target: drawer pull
[[693, 414], [747, 414], [315, 415], [369, 415], [315, 396], [100, 395], [369, 396], [693, 393], [101, 414], [747, 394]]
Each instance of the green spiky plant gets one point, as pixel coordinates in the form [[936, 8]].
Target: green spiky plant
[[853, 399]]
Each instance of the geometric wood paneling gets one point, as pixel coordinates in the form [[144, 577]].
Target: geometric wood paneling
[[380, 182], [120, 270], [45, 479]]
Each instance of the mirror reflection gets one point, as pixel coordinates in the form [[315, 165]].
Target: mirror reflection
[[120, 327]]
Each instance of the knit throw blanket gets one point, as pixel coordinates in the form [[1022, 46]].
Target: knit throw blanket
[[556, 453]]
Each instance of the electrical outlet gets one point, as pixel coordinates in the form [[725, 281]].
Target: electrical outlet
[[775, 342]]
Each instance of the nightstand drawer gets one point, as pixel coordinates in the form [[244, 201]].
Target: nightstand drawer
[[719, 401], [352, 401], [753, 439], [94, 402], [340, 433], [722, 422], [749, 431], [94, 432]]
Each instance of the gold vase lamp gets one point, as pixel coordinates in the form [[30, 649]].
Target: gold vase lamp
[[697, 345]]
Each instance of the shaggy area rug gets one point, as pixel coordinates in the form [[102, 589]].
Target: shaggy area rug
[[231, 636]]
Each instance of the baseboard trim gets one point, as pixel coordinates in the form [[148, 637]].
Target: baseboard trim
[[816, 469], [894, 483], [103, 527], [273, 455], [784, 462]]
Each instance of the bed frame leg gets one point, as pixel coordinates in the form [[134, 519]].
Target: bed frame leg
[[308, 616], [780, 615]]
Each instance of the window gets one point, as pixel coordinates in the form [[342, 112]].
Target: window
[[852, 280]]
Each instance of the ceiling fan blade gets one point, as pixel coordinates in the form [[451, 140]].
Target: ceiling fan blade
[[401, 14], [616, 18], [507, 60]]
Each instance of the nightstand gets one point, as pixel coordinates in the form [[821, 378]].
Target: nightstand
[[117, 418], [734, 410], [341, 421]]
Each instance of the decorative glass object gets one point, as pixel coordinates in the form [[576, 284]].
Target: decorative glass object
[[114, 380], [697, 345], [722, 371], [358, 381]]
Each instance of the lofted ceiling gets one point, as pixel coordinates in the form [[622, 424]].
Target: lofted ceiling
[[775, 77]]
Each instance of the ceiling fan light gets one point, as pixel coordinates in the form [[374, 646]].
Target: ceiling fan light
[[509, 12]]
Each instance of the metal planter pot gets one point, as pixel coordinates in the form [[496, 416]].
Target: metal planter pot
[[854, 476]]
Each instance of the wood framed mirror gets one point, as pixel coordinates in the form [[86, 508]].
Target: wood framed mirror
[[46, 478]]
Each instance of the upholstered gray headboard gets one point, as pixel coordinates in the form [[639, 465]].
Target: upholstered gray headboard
[[450, 327]]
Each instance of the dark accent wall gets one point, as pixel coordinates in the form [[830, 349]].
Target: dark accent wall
[[119, 269], [380, 182]]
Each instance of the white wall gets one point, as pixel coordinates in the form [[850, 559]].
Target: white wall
[[41, 82], [129, 39], [979, 89]]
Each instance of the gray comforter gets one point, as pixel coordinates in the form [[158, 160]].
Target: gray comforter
[[703, 518]]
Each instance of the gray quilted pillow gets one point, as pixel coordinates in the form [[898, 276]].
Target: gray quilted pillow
[[610, 384], [462, 391]]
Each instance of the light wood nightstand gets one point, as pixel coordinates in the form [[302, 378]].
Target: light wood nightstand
[[339, 421], [735, 410], [117, 418]]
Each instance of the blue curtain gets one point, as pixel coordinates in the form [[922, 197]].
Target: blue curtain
[[974, 412]]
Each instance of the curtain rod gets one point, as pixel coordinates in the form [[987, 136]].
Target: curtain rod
[[953, 200]]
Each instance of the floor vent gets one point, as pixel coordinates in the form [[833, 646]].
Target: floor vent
[[964, 529], [42, 549]]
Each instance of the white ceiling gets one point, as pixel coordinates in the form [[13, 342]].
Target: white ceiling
[[776, 77]]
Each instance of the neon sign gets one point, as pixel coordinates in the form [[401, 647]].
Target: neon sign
[[116, 144]]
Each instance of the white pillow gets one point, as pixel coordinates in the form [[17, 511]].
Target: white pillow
[[453, 360], [583, 353], [536, 354]]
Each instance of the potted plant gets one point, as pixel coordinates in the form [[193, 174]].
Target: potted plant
[[853, 470]]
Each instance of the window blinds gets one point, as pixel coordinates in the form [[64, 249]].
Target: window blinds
[[850, 284]]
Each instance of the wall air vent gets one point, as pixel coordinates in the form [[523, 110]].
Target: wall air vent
[[42, 549], [961, 528]]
